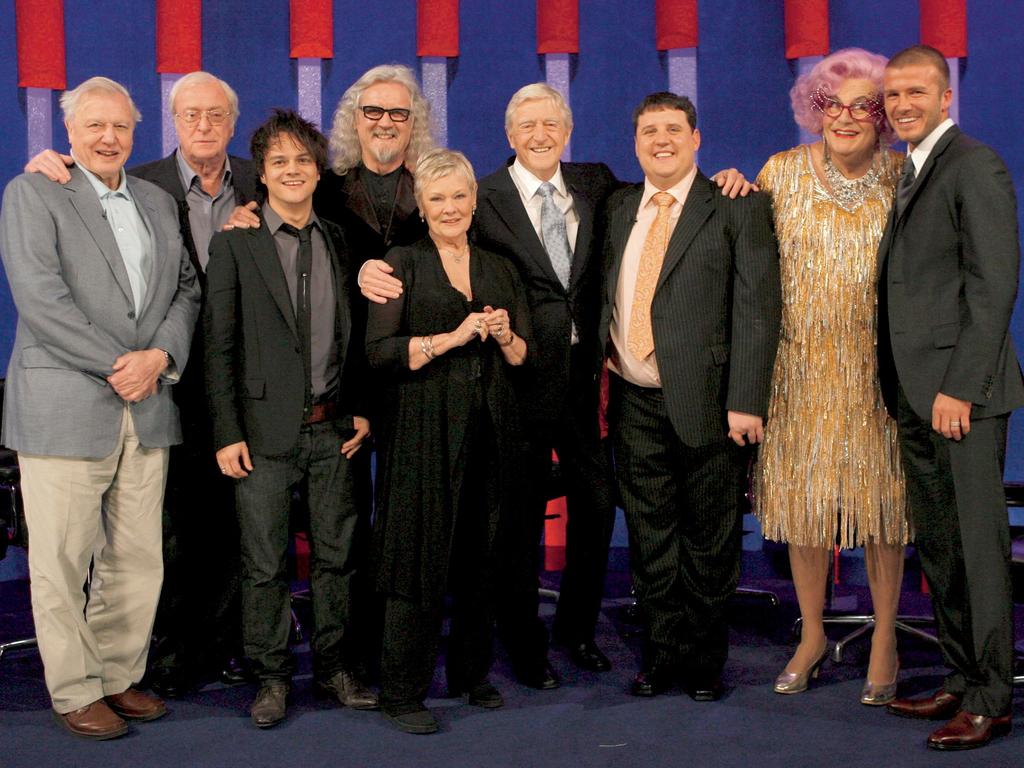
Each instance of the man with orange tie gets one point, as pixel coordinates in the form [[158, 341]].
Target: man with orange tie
[[690, 323]]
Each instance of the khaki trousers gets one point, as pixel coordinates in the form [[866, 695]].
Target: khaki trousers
[[105, 512]]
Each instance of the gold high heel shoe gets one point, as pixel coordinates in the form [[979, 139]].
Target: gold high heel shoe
[[797, 682], [879, 694]]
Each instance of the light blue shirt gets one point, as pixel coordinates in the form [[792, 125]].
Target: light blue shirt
[[130, 232]]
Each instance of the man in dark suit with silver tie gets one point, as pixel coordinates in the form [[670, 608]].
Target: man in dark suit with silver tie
[[691, 321]]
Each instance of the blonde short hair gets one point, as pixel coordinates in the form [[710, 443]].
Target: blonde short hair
[[438, 163], [534, 92]]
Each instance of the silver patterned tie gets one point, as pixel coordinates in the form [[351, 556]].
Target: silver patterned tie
[[552, 228]]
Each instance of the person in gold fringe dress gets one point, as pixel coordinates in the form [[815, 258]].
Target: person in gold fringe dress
[[829, 468]]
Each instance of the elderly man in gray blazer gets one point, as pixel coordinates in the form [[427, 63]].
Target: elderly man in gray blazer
[[107, 301]]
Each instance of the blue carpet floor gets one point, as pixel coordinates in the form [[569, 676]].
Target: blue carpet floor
[[589, 721]]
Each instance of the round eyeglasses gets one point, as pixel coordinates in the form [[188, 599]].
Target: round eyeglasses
[[397, 115], [214, 116]]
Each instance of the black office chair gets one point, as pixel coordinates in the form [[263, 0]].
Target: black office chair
[[13, 531]]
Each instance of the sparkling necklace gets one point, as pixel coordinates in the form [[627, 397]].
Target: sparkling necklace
[[849, 194], [456, 256]]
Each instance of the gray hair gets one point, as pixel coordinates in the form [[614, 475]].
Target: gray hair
[[69, 99], [346, 152], [203, 78], [533, 92], [437, 163]]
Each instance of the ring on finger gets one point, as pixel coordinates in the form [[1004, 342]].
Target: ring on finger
[[955, 424]]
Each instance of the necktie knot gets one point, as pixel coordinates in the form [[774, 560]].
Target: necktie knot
[[546, 190], [304, 234], [663, 199]]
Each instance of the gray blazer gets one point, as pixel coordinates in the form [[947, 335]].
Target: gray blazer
[[76, 316]]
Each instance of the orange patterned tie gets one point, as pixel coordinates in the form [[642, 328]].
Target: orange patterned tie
[[640, 339]]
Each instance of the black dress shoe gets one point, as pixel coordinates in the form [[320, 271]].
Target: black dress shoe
[[588, 656], [704, 688], [541, 676], [653, 681], [170, 682], [236, 671], [411, 718]]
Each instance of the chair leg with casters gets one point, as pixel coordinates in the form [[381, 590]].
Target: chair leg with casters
[[12, 524], [863, 623]]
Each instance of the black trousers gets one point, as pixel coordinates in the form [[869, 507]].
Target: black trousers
[[199, 618], [586, 474], [962, 534], [685, 527], [412, 626], [339, 540]]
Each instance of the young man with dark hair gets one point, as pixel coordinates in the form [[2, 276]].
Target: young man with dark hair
[[284, 375]]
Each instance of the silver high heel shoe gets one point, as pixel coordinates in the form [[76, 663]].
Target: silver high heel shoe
[[797, 682], [879, 694]]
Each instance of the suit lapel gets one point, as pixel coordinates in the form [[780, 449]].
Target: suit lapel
[[264, 255], [698, 207], [504, 198], [87, 204], [620, 225], [584, 207], [343, 321], [358, 201], [922, 177]]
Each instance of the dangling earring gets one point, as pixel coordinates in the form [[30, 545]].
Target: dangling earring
[[474, 209], [422, 217]]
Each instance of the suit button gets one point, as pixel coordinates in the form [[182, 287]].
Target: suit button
[[131, 315], [298, 350]]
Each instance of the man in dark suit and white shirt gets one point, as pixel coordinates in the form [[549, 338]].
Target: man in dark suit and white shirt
[[285, 380], [949, 269], [544, 215], [107, 301], [691, 321]]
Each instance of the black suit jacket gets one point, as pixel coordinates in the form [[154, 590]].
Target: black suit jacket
[[949, 264], [255, 379], [164, 173], [502, 225], [716, 309], [344, 200]]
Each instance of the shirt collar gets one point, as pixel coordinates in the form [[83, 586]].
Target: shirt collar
[[102, 189], [275, 222], [530, 183], [679, 190], [188, 174], [920, 154]]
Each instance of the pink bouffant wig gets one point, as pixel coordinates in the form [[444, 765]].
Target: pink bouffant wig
[[829, 75]]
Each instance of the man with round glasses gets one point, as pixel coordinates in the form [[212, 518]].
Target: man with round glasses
[[198, 623]]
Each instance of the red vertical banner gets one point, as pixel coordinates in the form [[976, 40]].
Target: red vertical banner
[[806, 28], [944, 26], [675, 24], [312, 29], [558, 26], [437, 28], [40, 32], [179, 36]]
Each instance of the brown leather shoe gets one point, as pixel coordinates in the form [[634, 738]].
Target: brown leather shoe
[[967, 731], [134, 704], [349, 691], [939, 706], [94, 721]]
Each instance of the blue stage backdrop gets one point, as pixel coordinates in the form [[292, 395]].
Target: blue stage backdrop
[[742, 93]]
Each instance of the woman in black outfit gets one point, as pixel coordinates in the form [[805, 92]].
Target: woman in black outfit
[[447, 346]]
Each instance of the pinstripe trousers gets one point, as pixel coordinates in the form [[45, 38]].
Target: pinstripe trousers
[[685, 527]]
